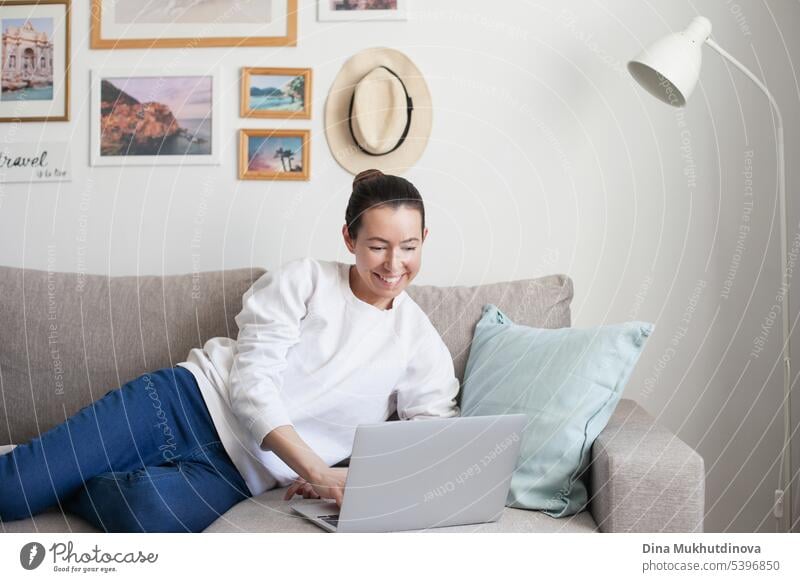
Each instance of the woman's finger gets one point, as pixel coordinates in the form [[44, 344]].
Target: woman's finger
[[291, 490]]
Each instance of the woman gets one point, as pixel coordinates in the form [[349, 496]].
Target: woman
[[322, 347]]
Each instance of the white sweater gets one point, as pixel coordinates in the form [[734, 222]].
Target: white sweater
[[311, 354]]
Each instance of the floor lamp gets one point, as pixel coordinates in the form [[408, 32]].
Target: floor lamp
[[668, 69]]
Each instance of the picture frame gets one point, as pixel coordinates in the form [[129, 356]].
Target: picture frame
[[35, 73], [156, 119], [133, 24], [361, 10], [259, 148], [282, 93]]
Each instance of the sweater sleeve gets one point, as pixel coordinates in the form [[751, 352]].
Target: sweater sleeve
[[430, 387], [269, 324]]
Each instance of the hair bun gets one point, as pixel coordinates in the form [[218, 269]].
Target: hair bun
[[366, 174]]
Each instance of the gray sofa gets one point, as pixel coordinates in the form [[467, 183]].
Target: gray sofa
[[68, 338]]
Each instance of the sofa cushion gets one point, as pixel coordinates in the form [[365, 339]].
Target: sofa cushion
[[455, 311], [52, 520], [567, 381], [68, 338], [269, 512]]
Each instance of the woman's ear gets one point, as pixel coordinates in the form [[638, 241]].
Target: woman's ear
[[348, 243]]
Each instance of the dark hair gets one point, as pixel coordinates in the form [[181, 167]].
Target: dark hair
[[373, 189]]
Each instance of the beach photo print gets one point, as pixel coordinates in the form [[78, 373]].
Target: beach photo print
[[276, 93], [271, 154], [151, 119]]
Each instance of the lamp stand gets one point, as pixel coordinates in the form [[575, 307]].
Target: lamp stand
[[786, 452]]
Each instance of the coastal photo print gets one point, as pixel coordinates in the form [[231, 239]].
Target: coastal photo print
[[273, 154], [130, 24], [276, 93], [361, 10], [35, 57], [153, 119]]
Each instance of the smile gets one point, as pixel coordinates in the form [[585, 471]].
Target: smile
[[388, 282]]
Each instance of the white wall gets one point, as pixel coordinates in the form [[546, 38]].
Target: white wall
[[544, 158]]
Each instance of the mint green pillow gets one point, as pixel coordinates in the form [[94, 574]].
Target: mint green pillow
[[568, 381]]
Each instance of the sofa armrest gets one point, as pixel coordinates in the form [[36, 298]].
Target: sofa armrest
[[643, 478]]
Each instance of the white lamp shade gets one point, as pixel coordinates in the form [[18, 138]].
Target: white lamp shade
[[669, 68]]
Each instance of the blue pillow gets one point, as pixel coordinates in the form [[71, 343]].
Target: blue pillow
[[568, 381]]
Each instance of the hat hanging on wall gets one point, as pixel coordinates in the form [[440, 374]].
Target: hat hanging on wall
[[378, 113]]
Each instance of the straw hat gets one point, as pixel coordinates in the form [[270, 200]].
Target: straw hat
[[378, 113]]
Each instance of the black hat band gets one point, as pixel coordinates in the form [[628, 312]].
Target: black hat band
[[409, 111]]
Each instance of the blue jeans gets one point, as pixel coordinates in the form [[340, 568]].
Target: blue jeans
[[143, 458]]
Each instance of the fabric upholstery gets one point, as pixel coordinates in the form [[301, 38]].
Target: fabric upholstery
[[644, 478], [51, 521], [455, 311], [269, 512], [110, 330], [640, 473], [66, 339]]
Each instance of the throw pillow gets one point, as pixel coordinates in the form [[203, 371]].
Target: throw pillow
[[568, 381]]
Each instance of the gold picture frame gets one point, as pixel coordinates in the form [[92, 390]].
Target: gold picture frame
[[99, 39], [34, 102], [260, 148], [279, 109]]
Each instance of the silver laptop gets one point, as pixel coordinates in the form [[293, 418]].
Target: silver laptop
[[418, 474]]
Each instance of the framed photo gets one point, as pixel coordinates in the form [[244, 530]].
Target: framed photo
[[35, 60], [274, 154], [131, 24], [361, 10], [155, 119], [276, 93]]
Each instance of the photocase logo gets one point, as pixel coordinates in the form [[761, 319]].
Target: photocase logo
[[31, 555]]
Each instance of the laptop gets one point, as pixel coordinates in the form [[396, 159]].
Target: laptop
[[419, 474]]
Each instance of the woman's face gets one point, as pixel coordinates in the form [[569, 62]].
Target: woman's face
[[389, 245]]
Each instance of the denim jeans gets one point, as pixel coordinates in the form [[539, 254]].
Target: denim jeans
[[143, 458]]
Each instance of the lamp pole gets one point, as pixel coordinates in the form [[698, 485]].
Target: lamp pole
[[671, 67], [786, 466]]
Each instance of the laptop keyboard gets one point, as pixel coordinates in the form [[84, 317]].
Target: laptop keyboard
[[332, 520]]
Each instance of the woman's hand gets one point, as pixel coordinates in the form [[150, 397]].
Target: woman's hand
[[329, 484], [301, 487]]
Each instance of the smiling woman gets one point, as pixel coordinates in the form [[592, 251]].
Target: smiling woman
[[322, 347], [385, 230]]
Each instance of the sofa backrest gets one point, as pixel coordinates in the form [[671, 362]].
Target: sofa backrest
[[455, 311], [66, 339]]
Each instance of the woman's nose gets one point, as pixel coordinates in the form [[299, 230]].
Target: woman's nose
[[394, 263]]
